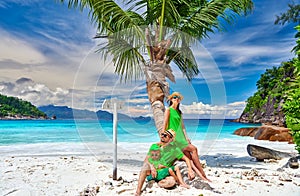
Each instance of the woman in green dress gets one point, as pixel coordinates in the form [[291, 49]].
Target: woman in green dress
[[173, 120]]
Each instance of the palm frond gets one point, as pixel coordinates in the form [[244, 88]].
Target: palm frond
[[112, 18], [184, 58], [188, 21], [240, 7], [296, 49], [152, 10], [181, 38], [81, 4], [124, 30], [127, 59], [108, 15], [206, 16]]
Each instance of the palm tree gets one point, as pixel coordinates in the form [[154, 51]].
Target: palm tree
[[291, 15], [163, 29]]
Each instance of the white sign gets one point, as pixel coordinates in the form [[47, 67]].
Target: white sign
[[109, 104]]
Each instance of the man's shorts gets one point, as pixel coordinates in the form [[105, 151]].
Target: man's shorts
[[161, 174]]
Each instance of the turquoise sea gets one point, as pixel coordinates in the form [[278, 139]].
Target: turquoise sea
[[91, 137], [14, 132]]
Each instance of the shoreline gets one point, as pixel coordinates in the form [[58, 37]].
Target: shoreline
[[93, 148], [231, 169]]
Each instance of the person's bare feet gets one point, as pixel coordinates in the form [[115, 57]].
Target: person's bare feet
[[137, 194], [208, 180], [191, 175], [185, 186], [205, 178]]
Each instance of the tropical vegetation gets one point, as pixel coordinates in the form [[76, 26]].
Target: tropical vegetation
[[12, 107], [281, 85], [292, 103], [273, 88], [145, 36]]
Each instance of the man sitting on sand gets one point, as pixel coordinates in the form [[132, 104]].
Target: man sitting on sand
[[162, 170], [169, 154]]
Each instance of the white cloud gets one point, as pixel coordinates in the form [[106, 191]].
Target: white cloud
[[194, 111], [37, 94], [18, 50], [50, 48], [200, 110], [40, 94], [23, 56], [21, 2], [240, 54], [2, 4], [138, 101], [139, 110], [246, 50]]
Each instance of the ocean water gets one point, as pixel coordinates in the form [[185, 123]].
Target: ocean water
[[14, 132], [27, 138]]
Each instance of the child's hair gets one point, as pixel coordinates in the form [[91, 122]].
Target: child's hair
[[154, 147]]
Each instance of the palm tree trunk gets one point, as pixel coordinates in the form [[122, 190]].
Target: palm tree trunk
[[156, 72], [156, 97], [158, 89]]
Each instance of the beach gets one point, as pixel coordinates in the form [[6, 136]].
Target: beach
[[228, 165]]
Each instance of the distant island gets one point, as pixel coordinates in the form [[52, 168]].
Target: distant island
[[65, 112], [15, 108]]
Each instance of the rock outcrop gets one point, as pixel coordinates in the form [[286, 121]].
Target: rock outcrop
[[266, 132], [270, 113], [250, 131], [261, 153]]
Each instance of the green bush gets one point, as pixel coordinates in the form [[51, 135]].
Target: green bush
[[292, 106], [10, 106]]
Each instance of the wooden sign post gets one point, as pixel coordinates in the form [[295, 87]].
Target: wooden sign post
[[115, 105]]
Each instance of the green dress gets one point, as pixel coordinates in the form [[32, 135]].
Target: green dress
[[176, 125]]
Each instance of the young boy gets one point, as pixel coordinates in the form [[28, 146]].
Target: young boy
[[163, 171]]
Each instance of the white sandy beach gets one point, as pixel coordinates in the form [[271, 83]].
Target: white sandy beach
[[67, 172]]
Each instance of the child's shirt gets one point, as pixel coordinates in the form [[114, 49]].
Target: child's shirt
[[155, 163]]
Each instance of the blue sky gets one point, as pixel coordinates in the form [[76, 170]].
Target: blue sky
[[47, 57]]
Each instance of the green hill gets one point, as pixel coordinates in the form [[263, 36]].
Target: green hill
[[275, 88], [15, 108]]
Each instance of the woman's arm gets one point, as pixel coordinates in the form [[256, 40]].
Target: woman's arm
[[184, 131], [166, 119]]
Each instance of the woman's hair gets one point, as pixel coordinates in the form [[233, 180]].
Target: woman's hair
[[170, 103]]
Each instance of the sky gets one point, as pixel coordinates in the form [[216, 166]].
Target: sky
[[47, 56]]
